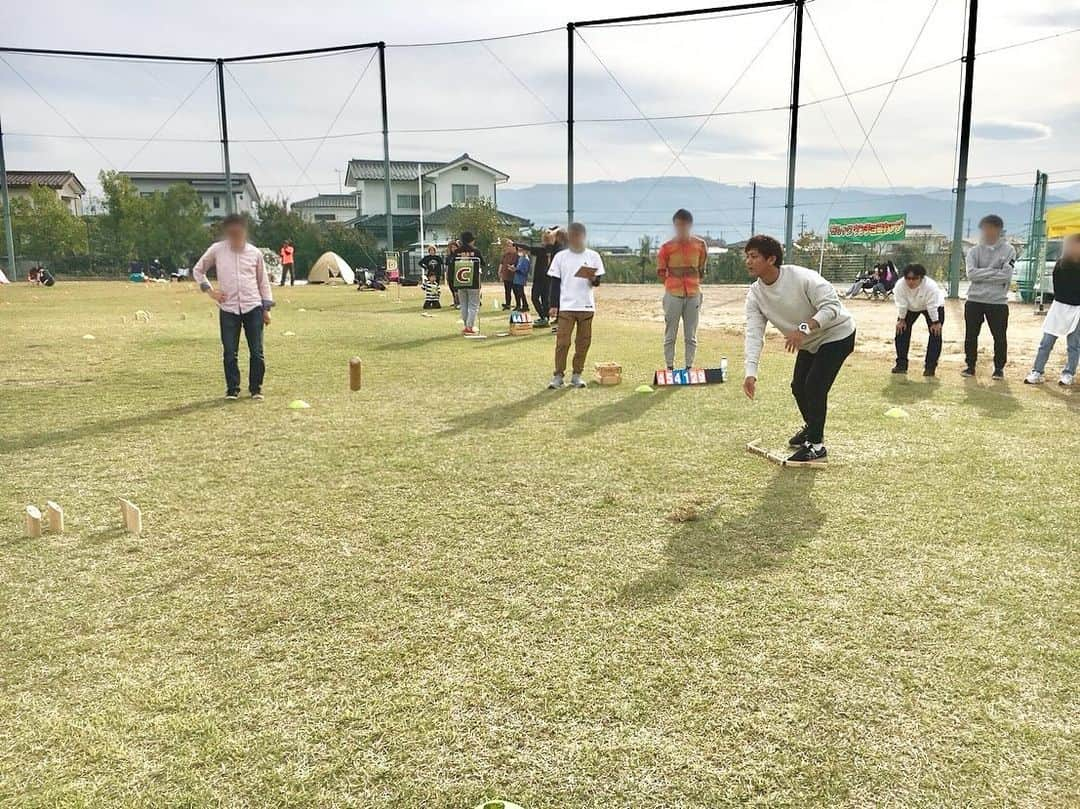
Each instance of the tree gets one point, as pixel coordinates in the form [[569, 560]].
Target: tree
[[44, 228], [175, 229], [481, 218], [123, 221]]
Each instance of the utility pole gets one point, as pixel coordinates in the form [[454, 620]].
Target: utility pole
[[802, 224], [230, 202], [5, 200], [753, 208], [956, 260], [793, 125]]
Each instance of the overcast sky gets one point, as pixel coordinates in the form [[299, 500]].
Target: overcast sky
[[1027, 112]]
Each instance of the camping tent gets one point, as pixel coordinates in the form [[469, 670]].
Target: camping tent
[[1063, 221], [330, 265]]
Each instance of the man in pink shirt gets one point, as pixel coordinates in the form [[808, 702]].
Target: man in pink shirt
[[244, 299]]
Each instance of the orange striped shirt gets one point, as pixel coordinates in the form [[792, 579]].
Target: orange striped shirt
[[681, 265]]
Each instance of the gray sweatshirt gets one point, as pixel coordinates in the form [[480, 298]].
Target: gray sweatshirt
[[990, 271], [797, 296]]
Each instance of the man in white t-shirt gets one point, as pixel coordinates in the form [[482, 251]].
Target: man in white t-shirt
[[573, 274]]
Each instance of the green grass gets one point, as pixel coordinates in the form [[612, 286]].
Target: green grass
[[454, 585]]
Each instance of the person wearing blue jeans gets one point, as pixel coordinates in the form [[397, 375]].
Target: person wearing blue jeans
[[1063, 319], [244, 300], [252, 324]]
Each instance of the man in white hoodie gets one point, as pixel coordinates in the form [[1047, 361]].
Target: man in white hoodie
[[816, 327], [918, 296]]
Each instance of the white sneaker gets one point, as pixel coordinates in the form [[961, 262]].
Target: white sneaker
[[1034, 378], [1066, 379], [577, 382], [556, 382]]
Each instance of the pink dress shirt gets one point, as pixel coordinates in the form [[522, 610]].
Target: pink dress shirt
[[241, 275]]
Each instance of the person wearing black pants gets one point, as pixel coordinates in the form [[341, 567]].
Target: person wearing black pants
[[990, 266], [918, 296], [996, 316], [816, 328], [812, 380], [554, 240]]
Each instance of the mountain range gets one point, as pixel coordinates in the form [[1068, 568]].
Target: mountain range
[[621, 212]]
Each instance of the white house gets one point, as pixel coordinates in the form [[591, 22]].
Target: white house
[[64, 183], [209, 184], [328, 208], [444, 185]]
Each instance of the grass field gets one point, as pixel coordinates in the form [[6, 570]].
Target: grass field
[[455, 585]]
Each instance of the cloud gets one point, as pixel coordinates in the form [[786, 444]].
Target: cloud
[[1011, 130]]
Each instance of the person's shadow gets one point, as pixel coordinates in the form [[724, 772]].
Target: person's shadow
[[710, 544], [501, 415], [1065, 395], [902, 390], [995, 400], [619, 411]]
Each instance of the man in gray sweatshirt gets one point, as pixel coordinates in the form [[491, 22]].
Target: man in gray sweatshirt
[[816, 327], [989, 269]]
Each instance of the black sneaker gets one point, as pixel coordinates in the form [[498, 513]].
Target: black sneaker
[[806, 455], [799, 439], [999, 374], [899, 369], [969, 371], [929, 371], [540, 323]]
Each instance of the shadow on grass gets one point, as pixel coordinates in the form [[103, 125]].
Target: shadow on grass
[[621, 411], [709, 546], [95, 429], [420, 342], [500, 416], [995, 401], [1063, 394], [902, 390]]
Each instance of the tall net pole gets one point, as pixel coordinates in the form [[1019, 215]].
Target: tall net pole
[[5, 200], [956, 260], [793, 128], [569, 123], [386, 147], [230, 203]]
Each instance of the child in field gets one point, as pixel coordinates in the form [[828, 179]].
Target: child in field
[[430, 285], [521, 277], [466, 264], [1063, 319]]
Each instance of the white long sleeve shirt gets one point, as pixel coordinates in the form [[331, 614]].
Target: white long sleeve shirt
[[926, 297], [241, 275], [798, 295]]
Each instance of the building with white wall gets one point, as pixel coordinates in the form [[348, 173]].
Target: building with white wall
[[209, 185], [328, 208]]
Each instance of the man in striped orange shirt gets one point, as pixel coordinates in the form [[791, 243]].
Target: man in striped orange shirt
[[681, 266]]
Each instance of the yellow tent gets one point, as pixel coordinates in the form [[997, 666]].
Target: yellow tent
[[1063, 221]]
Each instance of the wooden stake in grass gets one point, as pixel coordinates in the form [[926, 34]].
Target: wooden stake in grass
[[33, 521], [355, 373], [755, 448], [131, 516], [56, 517]]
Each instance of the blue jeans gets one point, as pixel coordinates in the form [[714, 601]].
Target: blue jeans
[[252, 324], [1072, 343]]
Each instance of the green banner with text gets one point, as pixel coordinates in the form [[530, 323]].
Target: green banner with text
[[863, 229]]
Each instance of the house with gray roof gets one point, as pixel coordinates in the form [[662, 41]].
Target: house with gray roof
[[328, 208], [434, 185], [64, 183], [210, 186]]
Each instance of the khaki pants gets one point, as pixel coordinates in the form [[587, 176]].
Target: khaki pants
[[567, 322]]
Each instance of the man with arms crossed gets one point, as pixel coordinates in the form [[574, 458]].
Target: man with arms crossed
[[816, 327], [572, 275], [244, 300], [990, 270], [918, 296], [680, 264]]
